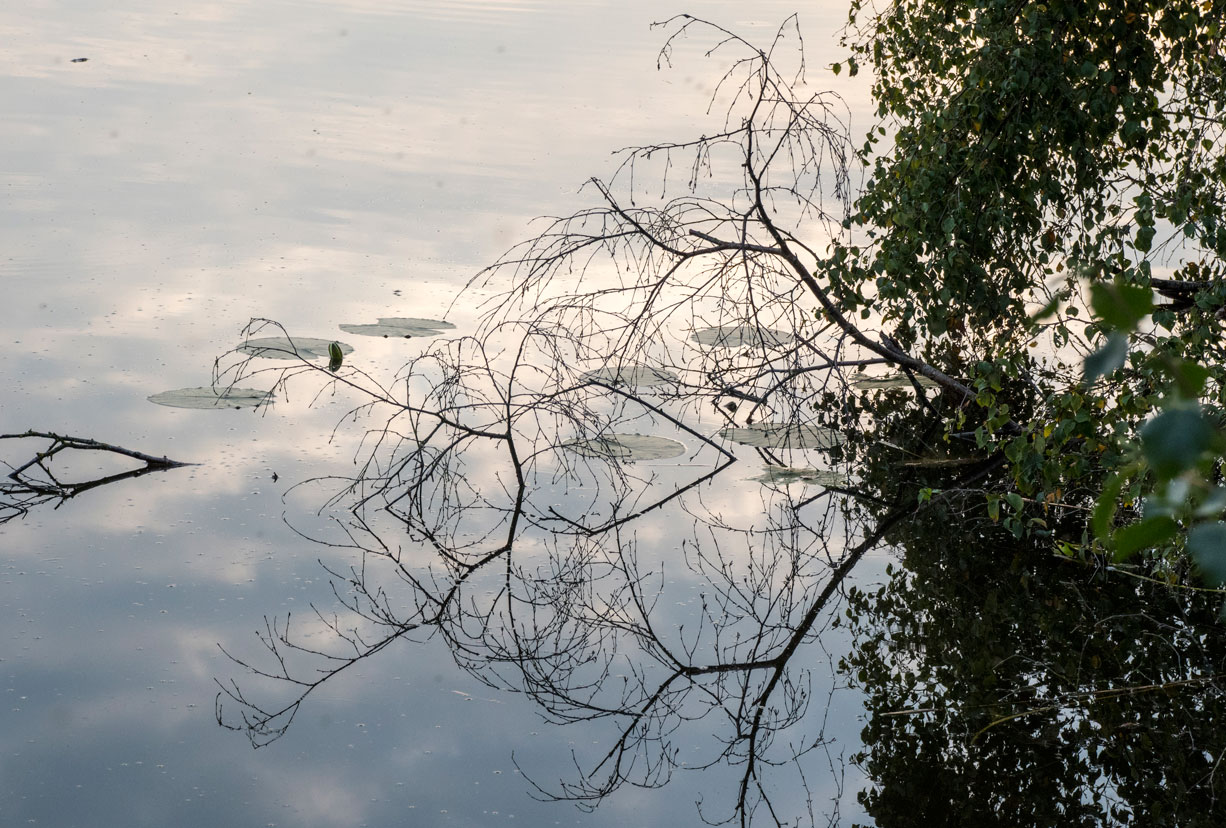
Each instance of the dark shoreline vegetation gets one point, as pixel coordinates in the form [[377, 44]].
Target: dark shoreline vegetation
[[997, 356]]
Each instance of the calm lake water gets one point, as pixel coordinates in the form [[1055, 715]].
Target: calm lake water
[[170, 171]]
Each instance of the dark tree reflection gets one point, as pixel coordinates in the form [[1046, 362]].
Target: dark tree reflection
[[1006, 686]]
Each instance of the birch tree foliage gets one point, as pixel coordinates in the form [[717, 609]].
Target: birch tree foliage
[[1044, 215]]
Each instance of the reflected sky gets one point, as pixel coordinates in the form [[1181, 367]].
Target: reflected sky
[[317, 163]]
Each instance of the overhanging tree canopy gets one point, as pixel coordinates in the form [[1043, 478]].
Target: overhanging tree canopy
[[1030, 155]]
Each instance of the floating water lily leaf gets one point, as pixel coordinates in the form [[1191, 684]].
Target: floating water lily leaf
[[867, 383], [742, 336], [783, 436], [628, 447], [206, 397], [782, 475], [634, 376], [939, 462], [400, 326], [301, 347]]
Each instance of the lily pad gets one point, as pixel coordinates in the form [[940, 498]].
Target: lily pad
[[782, 475], [784, 436], [742, 336], [633, 376], [402, 327], [206, 397], [302, 347], [868, 383], [628, 447]]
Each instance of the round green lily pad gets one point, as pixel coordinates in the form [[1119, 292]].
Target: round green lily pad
[[403, 327], [633, 376], [742, 336], [206, 397], [299, 347], [628, 447], [784, 436], [868, 383], [782, 475]]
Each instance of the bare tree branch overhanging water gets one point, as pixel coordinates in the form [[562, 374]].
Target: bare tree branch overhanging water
[[548, 495], [502, 490]]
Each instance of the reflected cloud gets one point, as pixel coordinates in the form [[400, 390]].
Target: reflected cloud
[[213, 162]]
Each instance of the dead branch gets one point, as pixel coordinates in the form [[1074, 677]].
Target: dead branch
[[35, 481]]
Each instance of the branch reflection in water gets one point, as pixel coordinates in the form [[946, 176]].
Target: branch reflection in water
[[486, 514], [39, 480], [506, 503]]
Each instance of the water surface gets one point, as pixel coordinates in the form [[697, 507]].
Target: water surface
[[316, 163]]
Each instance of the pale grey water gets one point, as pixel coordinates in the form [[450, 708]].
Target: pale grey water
[[313, 162]]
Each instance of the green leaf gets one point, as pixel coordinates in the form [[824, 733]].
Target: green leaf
[[1015, 500], [628, 447], [1145, 239], [212, 398], [1214, 503], [1207, 543], [402, 327], [300, 347], [785, 475], [1048, 311], [630, 376], [784, 436], [1121, 306], [1107, 358], [873, 383], [1148, 533], [1104, 509], [1174, 441], [1190, 377], [742, 336]]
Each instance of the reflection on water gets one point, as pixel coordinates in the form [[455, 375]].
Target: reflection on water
[[50, 475], [1045, 695], [517, 499], [318, 163], [335, 163], [482, 517]]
